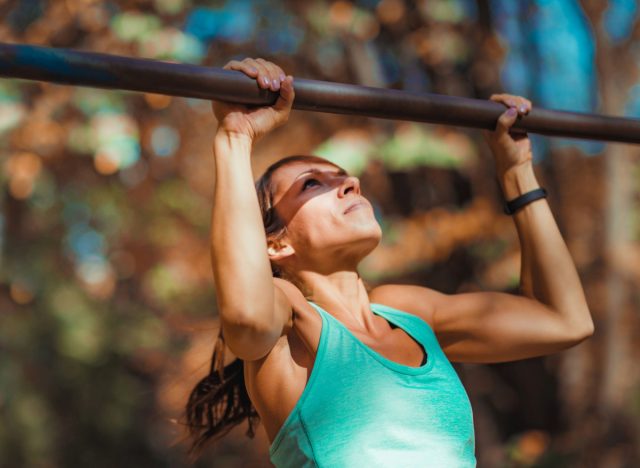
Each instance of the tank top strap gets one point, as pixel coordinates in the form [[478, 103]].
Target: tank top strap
[[411, 323], [417, 327]]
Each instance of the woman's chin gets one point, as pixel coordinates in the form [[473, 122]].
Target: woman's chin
[[370, 240]]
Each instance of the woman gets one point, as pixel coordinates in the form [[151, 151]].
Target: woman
[[340, 375]]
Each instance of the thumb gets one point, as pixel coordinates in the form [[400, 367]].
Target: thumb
[[287, 95], [506, 121]]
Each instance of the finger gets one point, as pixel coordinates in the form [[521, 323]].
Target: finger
[[244, 67], [274, 76], [523, 105], [287, 95], [506, 121], [505, 99], [275, 73], [263, 76]]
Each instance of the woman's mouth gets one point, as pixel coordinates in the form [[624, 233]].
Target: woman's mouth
[[355, 206]]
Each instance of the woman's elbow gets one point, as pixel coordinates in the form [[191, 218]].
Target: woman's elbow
[[581, 330], [249, 342], [588, 330]]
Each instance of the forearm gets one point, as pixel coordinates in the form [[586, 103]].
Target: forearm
[[548, 273], [242, 274]]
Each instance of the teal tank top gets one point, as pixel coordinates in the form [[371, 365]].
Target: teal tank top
[[360, 409]]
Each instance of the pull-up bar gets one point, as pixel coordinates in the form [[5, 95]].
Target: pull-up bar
[[110, 71]]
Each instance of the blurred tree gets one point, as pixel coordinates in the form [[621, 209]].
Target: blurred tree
[[107, 310]]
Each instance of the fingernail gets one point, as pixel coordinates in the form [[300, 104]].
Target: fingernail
[[275, 85], [253, 70], [265, 80], [523, 108], [512, 111], [282, 77]]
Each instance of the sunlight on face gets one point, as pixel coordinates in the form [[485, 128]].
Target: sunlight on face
[[316, 202]]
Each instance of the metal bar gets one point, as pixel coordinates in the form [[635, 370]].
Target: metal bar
[[110, 71]]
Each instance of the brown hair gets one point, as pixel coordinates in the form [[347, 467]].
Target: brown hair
[[219, 402]]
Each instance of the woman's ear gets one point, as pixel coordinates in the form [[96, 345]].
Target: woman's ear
[[278, 250]]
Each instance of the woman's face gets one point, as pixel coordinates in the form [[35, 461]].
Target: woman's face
[[329, 223]]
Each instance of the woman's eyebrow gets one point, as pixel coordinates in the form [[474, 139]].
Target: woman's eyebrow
[[341, 172]]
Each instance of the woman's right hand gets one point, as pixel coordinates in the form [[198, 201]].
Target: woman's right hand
[[254, 122]]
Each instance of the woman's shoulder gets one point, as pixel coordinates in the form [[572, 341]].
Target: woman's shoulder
[[292, 292], [413, 299], [306, 321], [279, 377]]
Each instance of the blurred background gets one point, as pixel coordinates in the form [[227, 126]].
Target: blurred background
[[107, 306]]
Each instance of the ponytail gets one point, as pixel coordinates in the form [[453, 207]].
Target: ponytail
[[219, 402]]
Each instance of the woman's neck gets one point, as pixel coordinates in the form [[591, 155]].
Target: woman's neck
[[343, 294]]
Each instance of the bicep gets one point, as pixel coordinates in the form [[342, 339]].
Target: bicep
[[251, 339], [496, 327]]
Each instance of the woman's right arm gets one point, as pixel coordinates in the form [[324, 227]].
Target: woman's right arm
[[253, 311]]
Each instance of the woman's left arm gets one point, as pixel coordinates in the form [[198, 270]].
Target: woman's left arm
[[550, 314], [547, 271]]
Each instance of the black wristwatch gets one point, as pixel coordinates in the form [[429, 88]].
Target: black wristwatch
[[514, 205]]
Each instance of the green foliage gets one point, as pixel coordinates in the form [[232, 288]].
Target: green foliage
[[415, 146], [104, 259]]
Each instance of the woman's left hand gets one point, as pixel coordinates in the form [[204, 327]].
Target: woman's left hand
[[510, 150]]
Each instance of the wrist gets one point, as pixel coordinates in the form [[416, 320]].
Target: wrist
[[518, 180], [229, 140]]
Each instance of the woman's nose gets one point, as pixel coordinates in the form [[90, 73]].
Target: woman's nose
[[349, 184]]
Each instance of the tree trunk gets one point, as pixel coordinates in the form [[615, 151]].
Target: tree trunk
[[618, 427]]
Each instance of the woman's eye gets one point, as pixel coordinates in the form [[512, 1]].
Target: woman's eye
[[306, 183]]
